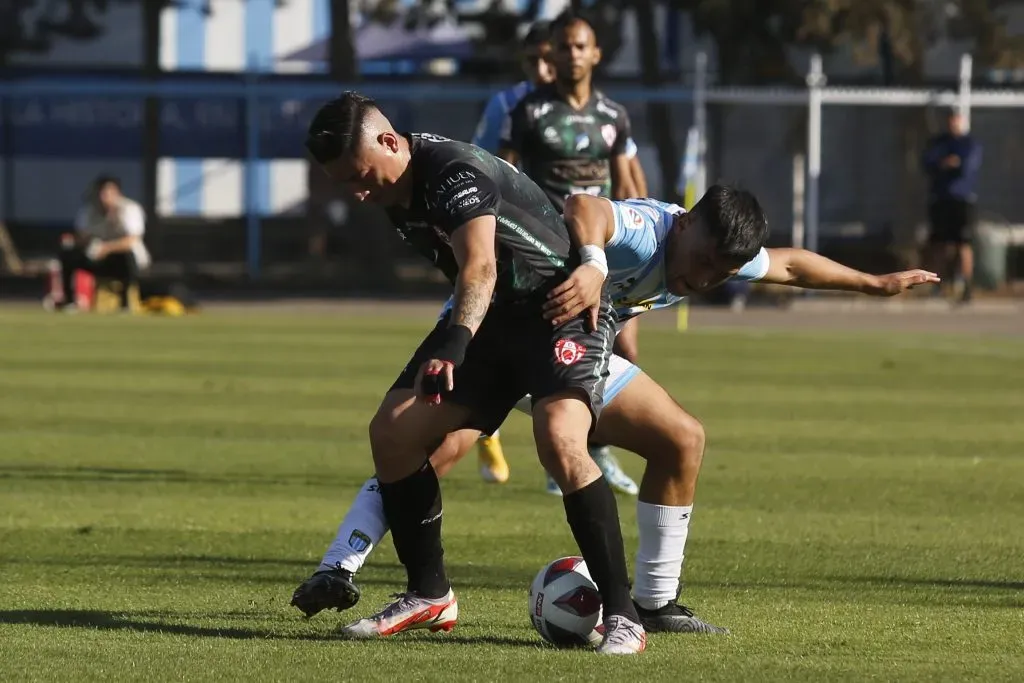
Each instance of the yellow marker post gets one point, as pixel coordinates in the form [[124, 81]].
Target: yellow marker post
[[682, 315]]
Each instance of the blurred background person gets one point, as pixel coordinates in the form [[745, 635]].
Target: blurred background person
[[107, 241], [537, 67], [570, 138], [952, 161]]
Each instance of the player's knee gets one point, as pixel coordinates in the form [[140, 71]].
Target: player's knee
[[688, 439], [382, 431], [560, 428]]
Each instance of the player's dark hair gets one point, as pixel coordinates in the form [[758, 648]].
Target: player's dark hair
[[735, 220], [539, 34], [105, 179], [337, 126], [567, 19]]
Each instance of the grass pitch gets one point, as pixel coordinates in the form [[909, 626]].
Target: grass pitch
[[165, 484]]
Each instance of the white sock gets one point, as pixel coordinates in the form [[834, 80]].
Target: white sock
[[492, 436], [361, 530], [659, 557]]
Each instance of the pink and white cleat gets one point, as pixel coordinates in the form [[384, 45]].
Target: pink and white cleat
[[408, 612], [622, 636]]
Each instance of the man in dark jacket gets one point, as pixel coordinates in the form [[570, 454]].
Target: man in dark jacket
[[952, 162]]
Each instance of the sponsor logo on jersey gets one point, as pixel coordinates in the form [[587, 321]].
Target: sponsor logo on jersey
[[606, 110], [359, 541], [468, 201], [550, 134], [467, 191], [540, 110], [609, 134], [578, 118], [569, 352], [455, 180], [430, 137], [582, 142]]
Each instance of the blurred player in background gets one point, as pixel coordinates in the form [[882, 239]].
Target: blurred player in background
[[953, 162], [107, 241], [571, 139], [539, 70], [536, 62]]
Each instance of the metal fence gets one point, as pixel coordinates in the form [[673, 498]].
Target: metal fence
[[828, 163]]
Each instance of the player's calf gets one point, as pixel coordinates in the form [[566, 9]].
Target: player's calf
[[560, 425]]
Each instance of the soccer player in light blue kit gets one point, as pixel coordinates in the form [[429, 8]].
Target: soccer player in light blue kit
[[651, 254], [539, 71]]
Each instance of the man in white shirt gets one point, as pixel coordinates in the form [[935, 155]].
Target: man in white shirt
[[107, 240]]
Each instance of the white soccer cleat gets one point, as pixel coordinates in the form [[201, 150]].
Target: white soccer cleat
[[622, 636], [408, 612]]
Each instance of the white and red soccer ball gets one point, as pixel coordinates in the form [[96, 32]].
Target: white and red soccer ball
[[565, 606]]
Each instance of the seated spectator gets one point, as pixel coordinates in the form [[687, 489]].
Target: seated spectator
[[107, 241]]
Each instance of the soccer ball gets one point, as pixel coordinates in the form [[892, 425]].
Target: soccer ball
[[565, 606]]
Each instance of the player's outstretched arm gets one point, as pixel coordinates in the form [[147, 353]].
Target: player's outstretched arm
[[591, 224], [807, 270]]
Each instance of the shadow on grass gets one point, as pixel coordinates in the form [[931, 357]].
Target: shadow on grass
[[929, 582], [149, 622], [163, 476], [293, 571]]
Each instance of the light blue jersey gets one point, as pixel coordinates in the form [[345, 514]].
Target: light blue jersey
[[636, 257], [488, 131]]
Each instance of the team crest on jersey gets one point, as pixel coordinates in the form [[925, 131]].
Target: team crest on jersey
[[568, 352], [608, 133], [633, 219]]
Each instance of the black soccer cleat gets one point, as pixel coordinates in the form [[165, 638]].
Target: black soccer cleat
[[674, 618], [330, 589]]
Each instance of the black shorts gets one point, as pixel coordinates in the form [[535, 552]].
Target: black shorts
[[952, 221], [516, 352]]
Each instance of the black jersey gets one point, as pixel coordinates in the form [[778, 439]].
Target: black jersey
[[566, 150], [455, 182]]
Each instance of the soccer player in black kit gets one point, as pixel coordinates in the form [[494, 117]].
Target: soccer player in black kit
[[572, 139], [504, 247]]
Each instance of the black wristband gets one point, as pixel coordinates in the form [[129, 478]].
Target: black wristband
[[453, 350]]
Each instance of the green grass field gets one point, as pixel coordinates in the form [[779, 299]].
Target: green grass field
[[166, 483]]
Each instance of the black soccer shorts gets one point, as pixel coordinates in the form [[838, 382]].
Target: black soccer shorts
[[516, 352]]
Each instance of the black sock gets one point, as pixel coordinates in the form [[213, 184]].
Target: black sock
[[412, 507], [594, 520]]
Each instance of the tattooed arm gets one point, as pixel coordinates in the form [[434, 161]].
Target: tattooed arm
[[473, 245]]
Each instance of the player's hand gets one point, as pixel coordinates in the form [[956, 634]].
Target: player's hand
[[952, 161], [582, 291], [897, 283], [435, 376]]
